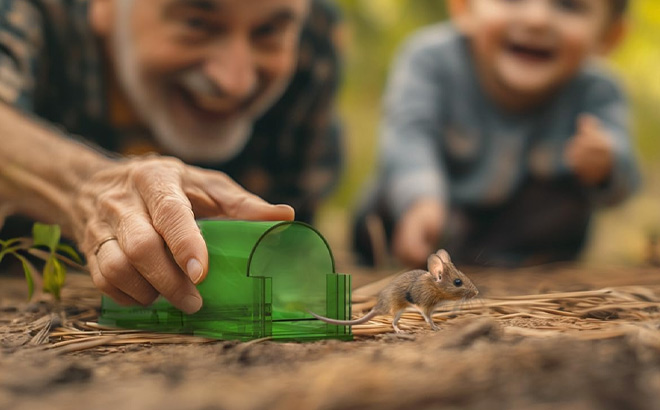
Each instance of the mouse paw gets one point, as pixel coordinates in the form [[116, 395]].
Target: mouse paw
[[397, 329], [434, 327]]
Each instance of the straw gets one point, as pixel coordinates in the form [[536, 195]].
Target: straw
[[596, 314]]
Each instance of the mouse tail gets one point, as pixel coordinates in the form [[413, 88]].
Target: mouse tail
[[358, 321]]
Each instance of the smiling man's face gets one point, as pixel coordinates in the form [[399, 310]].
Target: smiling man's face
[[198, 72], [530, 47]]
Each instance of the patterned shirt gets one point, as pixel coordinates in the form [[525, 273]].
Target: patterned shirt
[[51, 66], [443, 138]]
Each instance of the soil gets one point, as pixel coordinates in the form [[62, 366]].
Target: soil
[[545, 338]]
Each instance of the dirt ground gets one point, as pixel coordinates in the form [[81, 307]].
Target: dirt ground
[[545, 338]]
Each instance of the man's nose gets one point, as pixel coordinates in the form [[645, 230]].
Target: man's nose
[[231, 67]]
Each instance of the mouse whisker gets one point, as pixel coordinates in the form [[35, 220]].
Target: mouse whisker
[[458, 305], [480, 301], [472, 303]]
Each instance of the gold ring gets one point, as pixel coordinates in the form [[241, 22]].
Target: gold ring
[[108, 239]]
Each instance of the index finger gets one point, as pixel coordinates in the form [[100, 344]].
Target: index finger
[[172, 217], [233, 201]]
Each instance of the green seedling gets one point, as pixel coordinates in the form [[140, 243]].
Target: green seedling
[[44, 244]]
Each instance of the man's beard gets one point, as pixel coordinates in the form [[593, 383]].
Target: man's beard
[[197, 142]]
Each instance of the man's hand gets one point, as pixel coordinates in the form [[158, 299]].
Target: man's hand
[[589, 154], [134, 219], [417, 233], [136, 226]]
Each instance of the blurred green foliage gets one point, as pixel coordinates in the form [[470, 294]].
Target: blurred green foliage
[[638, 62], [376, 28]]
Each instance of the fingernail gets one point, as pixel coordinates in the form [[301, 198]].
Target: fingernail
[[191, 304], [288, 209], [195, 270]]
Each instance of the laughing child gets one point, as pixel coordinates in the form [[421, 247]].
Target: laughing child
[[502, 134]]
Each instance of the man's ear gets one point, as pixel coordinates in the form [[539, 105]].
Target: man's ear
[[101, 16], [613, 36], [459, 12]]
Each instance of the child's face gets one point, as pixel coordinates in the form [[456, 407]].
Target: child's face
[[529, 47]]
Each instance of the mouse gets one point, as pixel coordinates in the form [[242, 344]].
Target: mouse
[[419, 288]]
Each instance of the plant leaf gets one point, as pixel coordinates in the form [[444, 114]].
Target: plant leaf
[[60, 273], [27, 269], [13, 245], [68, 250], [46, 235], [11, 250], [54, 275], [10, 242]]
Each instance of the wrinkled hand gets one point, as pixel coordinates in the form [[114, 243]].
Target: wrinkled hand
[[149, 205], [589, 154], [417, 233]]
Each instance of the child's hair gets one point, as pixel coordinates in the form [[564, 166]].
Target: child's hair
[[619, 7]]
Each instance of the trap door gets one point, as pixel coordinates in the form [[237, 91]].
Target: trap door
[[300, 266]]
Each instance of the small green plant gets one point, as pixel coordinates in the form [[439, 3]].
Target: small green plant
[[44, 244]]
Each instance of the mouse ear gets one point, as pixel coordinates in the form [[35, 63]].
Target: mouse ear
[[443, 255], [436, 266]]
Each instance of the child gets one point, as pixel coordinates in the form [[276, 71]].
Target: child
[[501, 134]]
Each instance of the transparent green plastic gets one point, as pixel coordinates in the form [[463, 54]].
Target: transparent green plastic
[[262, 279]]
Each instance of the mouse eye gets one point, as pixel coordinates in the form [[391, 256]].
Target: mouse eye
[[458, 283]]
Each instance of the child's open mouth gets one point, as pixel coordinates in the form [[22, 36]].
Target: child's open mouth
[[530, 53]]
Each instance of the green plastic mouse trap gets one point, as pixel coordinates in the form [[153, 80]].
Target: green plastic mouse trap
[[263, 279]]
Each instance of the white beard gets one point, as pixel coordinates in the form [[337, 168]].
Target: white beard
[[192, 142]]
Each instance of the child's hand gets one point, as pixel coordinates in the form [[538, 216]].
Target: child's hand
[[589, 153], [417, 234]]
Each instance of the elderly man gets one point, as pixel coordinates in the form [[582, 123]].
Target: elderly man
[[226, 90]]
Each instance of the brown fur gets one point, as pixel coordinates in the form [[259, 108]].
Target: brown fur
[[419, 288]]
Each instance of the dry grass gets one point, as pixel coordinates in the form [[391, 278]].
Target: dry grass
[[593, 314], [603, 313]]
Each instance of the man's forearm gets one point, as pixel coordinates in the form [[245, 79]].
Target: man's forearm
[[41, 170]]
